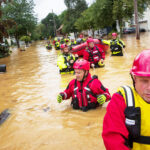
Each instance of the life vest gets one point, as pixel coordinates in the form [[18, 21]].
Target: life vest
[[94, 55], [63, 63], [137, 119], [68, 58], [57, 44], [84, 98], [116, 47]]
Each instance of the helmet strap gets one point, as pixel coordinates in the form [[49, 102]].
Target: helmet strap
[[133, 80], [84, 76]]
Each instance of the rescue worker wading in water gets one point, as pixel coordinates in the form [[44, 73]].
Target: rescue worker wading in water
[[66, 60], [94, 55], [116, 45], [87, 92], [127, 122]]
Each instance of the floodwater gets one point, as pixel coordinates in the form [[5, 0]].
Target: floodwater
[[29, 89]]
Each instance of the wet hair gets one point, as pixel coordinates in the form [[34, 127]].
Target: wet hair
[[133, 80]]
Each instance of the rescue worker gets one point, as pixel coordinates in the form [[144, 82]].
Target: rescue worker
[[55, 40], [67, 41], [73, 42], [57, 45], [62, 41], [116, 45], [48, 45], [66, 60], [87, 92], [94, 55], [127, 122]]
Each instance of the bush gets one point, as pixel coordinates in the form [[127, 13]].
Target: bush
[[26, 39], [4, 50]]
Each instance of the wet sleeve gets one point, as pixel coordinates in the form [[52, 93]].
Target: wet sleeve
[[86, 55], [106, 42], [122, 43], [98, 88], [102, 53], [115, 133], [60, 63], [69, 90]]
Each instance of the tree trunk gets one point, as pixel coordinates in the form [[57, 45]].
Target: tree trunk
[[136, 20], [17, 41], [120, 25], [93, 33]]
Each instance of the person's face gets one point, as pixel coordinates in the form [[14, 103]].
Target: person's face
[[142, 86], [66, 50], [114, 37], [91, 44], [79, 73]]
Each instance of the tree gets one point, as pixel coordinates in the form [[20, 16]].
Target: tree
[[38, 32], [48, 22], [5, 24], [26, 39], [61, 17], [74, 10], [86, 21], [21, 12]]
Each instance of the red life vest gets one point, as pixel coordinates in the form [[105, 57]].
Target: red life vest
[[84, 97], [94, 55]]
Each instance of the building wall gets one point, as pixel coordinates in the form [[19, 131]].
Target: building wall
[[145, 20]]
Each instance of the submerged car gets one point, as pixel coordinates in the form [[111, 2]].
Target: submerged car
[[129, 30]]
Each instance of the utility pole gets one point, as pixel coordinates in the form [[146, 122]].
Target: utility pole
[[55, 33], [136, 20]]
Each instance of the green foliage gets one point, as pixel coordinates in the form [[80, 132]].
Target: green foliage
[[21, 12], [86, 21], [49, 27], [61, 17], [98, 15], [74, 10], [26, 39], [104, 13]]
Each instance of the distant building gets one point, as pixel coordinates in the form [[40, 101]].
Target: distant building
[[144, 21]]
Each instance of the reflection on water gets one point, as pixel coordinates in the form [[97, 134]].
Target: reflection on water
[[29, 90]]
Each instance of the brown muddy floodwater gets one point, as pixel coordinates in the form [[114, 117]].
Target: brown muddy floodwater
[[29, 89]]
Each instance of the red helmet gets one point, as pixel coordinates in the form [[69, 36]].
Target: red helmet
[[89, 40], [82, 64], [141, 64], [63, 46], [81, 36], [114, 34]]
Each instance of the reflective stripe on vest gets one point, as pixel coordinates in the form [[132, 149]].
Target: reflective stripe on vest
[[129, 96]]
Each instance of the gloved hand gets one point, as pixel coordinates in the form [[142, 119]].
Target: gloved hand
[[71, 61], [59, 98], [101, 63], [92, 65], [101, 99]]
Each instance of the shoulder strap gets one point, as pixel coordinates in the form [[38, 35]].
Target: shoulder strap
[[129, 96], [131, 103], [65, 59], [88, 88], [75, 87], [98, 51]]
